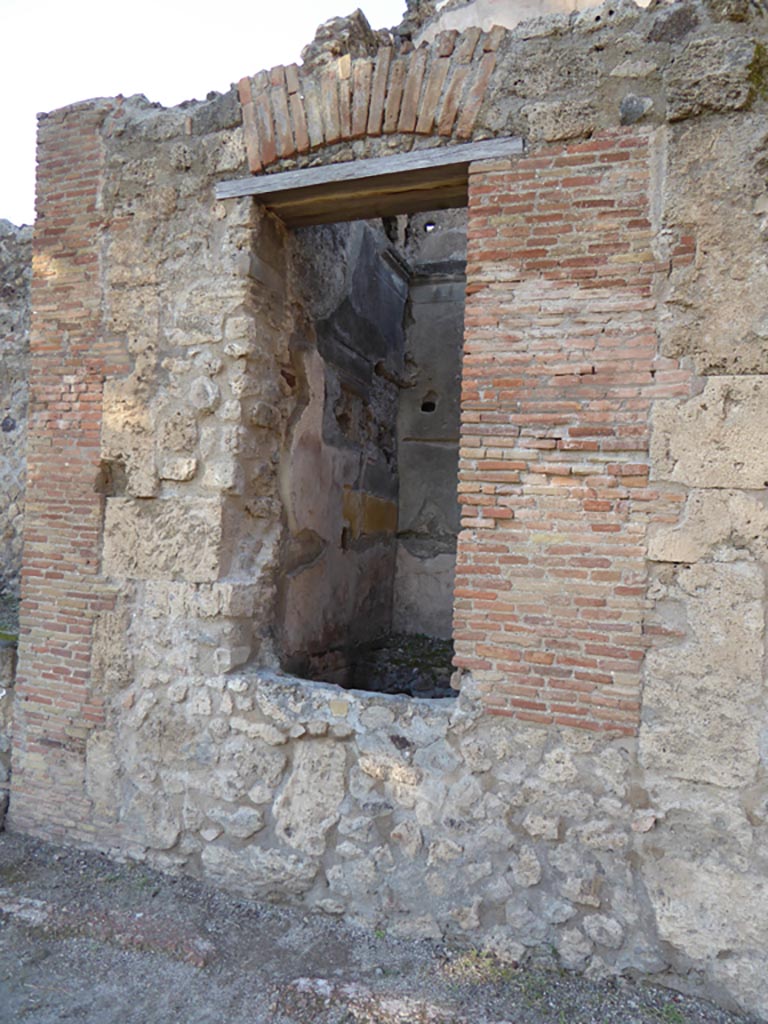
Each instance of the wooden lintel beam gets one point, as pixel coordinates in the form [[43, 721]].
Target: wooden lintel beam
[[428, 179], [369, 206]]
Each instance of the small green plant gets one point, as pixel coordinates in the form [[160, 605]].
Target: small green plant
[[141, 880], [533, 986], [671, 1014], [479, 966], [108, 879], [380, 933], [757, 74]]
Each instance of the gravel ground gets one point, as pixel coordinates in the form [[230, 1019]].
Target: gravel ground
[[85, 939]]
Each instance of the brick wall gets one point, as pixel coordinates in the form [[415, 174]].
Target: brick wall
[[560, 373], [61, 591]]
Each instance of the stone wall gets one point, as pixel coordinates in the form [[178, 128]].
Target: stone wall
[[600, 783], [424, 817], [163, 439], [706, 769], [463, 14], [15, 275], [7, 680]]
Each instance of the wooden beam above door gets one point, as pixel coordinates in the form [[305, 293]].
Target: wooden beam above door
[[426, 179]]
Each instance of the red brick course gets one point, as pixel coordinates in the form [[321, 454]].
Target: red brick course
[[62, 593], [561, 369]]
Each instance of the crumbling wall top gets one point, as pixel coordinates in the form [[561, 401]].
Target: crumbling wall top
[[560, 76], [343, 36]]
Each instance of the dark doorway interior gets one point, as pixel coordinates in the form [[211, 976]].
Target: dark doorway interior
[[369, 472]]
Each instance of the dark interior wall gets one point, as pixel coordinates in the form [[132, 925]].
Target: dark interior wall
[[369, 470], [339, 472], [428, 425]]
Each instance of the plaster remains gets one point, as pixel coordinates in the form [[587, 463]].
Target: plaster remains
[[323, 398]]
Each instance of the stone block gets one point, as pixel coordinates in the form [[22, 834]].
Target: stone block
[[711, 75], [716, 302], [241, 823], [701, 696], [604, 931], [633, 108], [102, 771], [715, 439], [127, 435], [163, 540], [745, 976], [526, 868], [153, 819], [177, 467], [573, 947], [7, 664], [204, 394], [178, 432], [704, 910], [310, 802], [551, 121], [713, 523], [258, 873]]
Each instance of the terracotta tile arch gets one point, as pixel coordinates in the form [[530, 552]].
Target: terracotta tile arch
[[435, 90]]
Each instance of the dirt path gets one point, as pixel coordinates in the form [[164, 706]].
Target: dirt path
[[84, 939]]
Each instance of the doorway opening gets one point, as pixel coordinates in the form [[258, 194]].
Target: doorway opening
[[369, 469]]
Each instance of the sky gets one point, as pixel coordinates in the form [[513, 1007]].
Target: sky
[[57, 52]]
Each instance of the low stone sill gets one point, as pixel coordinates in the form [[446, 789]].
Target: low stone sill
[[318, 707]]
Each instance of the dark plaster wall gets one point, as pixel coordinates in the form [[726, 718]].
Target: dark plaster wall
[[428, 425], [339, 469]]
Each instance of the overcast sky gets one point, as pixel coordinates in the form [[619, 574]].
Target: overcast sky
[[57, 52]]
